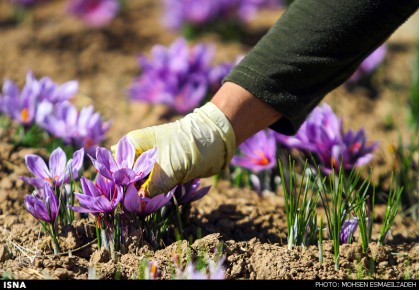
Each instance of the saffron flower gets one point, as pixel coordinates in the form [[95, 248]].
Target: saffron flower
[[348, 229], [43, 204], [178, 13], [84, 129], [95, 13], [143, 205], [322, 135], [122, 169], [21, 106], [55, 93], [215, 271], [177, 76], [258, 152], [100, 197], [188, 192], [57, 172], [369, 65]]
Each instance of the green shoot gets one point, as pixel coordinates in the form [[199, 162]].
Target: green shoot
[[393, 205], [300, 207]]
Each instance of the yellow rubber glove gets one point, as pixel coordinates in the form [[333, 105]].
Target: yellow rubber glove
[[198, 145]]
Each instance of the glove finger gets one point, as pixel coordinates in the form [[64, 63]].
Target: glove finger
[[158, 182], [143, 139]]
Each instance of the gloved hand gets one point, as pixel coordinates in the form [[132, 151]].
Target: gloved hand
[[198, 145]]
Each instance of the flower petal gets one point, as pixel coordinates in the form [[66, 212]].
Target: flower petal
[[37, 166], [145, 162]]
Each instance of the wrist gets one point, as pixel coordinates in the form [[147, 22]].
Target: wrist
[[246, 113]]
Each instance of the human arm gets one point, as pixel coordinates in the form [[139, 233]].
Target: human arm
[[312, 49]]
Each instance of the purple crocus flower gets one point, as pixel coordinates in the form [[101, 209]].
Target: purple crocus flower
[[84, 129], [21, 106], [258, 152], [58, 172], [37, 99], [348, 229], [91, 129], [176, 76], [55, 93], [322, 135], [216, 271], [122, 169], [143, 205], [43, 204], [100, 197], [177, 13], [95, 13], [369, 65], [188, 192]]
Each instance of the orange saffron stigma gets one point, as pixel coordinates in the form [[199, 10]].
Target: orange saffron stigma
[[89, 143], [263, 159], [24, 114], [153, 269]]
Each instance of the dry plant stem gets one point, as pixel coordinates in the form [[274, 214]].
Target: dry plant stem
[[246, 113]]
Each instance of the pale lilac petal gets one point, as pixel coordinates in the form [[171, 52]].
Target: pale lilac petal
[[132, 200], [145, 162], [35, 181], [89, 188], [37, 166], [124, 176], [125, 153], [57, 165], [105, 157]]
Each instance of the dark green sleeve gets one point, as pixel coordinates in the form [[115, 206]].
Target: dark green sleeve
[[313, 48]]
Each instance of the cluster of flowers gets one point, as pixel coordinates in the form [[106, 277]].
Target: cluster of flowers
[[46, 104], [321, 136], [179, 76], [112, 196], [177, 13], [53, 191], [94, 13]]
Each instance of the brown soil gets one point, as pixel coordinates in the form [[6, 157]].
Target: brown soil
[[251, 228]]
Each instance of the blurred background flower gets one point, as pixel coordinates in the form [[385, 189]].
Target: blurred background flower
[[94, 13]]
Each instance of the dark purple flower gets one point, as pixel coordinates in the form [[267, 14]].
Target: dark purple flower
[[188, 192], [124, 169], [348, 229], [143, 205], [95, 13], [43, 204], [176, 76], [258, 152], [103, 196], [58, 172], [322, 135], [370, 64]]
